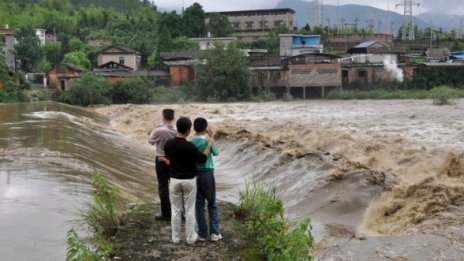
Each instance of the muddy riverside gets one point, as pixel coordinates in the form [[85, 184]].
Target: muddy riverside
[[380, 180]]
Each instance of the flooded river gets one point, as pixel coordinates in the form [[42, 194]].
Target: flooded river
[[381, 180], [47, 152]]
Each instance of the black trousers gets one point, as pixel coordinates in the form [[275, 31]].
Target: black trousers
[[163, 173]]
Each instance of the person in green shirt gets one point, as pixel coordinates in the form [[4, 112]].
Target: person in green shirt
[[206, 184]]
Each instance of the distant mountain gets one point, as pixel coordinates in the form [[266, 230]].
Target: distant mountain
[[364, 13], [447, 22]]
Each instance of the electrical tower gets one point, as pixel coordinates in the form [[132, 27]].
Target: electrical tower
[[408, 23], [316, 13]]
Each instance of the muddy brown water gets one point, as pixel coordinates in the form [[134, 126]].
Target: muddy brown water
[[46, 156], [370, 174]]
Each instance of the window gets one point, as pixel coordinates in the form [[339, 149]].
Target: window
[[263, 23], [278, 23], [345, 73], [250, 24], [121, 60], [62, 85], [236, 25], [362, 74]]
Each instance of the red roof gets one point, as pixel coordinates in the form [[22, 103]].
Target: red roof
[[7, 31]]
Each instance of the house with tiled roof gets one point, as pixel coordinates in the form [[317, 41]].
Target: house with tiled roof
[[121, 55]]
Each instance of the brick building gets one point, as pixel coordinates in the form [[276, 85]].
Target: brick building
[[310, 75]]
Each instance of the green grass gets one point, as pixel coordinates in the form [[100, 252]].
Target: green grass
[[263, 216], [101, 219]]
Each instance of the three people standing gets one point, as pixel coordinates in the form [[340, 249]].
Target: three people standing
[[185, 173]]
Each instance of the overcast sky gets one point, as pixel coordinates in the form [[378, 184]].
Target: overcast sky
[[444, 6]]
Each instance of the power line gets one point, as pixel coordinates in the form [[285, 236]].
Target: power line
[[408, 21]]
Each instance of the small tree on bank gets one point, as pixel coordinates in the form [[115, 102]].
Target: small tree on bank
[[225, 76], [91, 89]]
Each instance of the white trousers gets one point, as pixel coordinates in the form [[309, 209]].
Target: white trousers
[[183, 194]]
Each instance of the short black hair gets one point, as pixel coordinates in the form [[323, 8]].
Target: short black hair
[[183, 125], [168, 114], [200, 124]]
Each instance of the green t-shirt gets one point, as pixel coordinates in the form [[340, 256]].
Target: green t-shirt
[[201, 143]]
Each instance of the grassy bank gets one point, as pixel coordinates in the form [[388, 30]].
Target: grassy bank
[[101, 221], [437, 93], [263, 220]]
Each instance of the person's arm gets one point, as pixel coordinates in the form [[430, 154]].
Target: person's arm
[[154, 137], [214, 149]]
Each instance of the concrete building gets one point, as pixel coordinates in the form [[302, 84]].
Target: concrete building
[[310, 75], [41, 35], [122, 55], [368, 62], [7, 43], [296, 44], [251, 25], [207, 43]]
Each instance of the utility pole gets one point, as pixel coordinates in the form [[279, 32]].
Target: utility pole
[[460, 30], [380, 26], [356, 21], [408, 21], [370, 25]]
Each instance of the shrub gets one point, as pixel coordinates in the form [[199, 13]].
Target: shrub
[[102, 220], [137, 90], [163, 94], [262, 213], [91, 89], [443, 94]]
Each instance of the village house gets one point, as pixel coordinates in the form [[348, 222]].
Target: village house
[[296, 44], [209, 42], [63, 77], [250, 25], [181, 65], [121, 55], [309, 75], [437, 54], [7, 43], [115, 72], [367, 61]]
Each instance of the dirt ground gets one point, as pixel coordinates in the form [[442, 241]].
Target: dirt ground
[[143, 238]]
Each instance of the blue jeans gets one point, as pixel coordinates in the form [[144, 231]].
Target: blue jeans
[[206, 189]]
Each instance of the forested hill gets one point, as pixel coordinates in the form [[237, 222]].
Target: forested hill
[[126, 6]]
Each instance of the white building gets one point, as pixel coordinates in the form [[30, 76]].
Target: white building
[[41, 35]]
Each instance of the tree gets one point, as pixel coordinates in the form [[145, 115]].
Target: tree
[[91, 89], [219, 25], [58, 5], [172, 21], [225, 76], [28, 50], [12, 91], [182, 43], [194, 21], [137, 90], [53, 53], [77, 58], [75, 44]]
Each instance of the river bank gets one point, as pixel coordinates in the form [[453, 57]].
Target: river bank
[[143, 238], [375, 170]]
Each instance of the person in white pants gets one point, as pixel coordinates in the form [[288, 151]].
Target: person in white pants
[[182, 156]]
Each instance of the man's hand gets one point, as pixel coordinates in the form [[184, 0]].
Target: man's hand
[[210, 136]]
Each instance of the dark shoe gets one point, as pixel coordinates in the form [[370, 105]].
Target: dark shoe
[[160, 217]]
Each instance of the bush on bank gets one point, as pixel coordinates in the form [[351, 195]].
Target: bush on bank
[[263, 216], [102, 220]]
